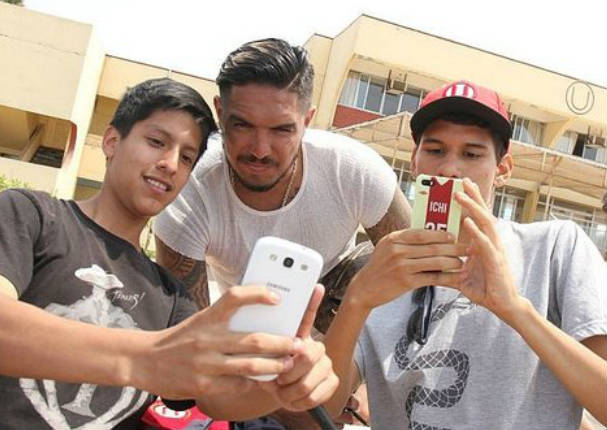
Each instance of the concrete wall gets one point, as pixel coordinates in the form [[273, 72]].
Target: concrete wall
[[119, 74], [41, 58], [319, 49], [34, 175]]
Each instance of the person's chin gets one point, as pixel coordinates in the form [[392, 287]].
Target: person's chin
[[151, 207], [257, 183]]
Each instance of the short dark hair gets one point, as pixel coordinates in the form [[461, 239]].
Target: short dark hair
[[500, 145], [269, 61], [164, 94]]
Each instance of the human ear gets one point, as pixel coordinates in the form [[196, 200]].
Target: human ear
[[111, 138], [309, 116], [503, 170], [413, 164], [219, 111]]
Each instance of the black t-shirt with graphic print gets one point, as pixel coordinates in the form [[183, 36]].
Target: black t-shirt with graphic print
[[61, 261]]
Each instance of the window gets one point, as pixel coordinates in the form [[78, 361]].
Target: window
[[370, 93], [508, 204], [362, 91], [595, 153], [566, 142], [590, 152], [391, 102], [412, 97], [375, 95], [403, 178], [527, 131], [48, 156], [348, 94], [590, 148]]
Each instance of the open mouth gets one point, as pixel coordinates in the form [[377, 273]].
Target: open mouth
[[157, 184]]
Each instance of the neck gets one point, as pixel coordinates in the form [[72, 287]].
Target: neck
[[279, 195], [109, 213]]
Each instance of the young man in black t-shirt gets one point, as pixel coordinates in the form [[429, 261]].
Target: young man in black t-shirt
[[90, 326]]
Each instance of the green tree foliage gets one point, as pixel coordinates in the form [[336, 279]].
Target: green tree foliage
[[6, 183], [15, 2]]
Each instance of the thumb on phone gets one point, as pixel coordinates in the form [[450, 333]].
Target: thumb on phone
[[307, 322]]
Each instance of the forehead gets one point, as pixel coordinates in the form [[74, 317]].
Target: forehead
[[258, 103], [178, 125], [448, 132]]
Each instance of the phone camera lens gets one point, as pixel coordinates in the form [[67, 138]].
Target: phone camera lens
[[426, 182], [287, 262]]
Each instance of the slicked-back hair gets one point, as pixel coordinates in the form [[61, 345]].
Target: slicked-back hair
[[271, 62], [461, 118], [163, 94]]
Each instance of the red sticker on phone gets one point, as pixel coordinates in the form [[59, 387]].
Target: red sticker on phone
[[439, 203]]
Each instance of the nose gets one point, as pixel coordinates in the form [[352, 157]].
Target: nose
[[261, 144], [169, 162], [450, 167]]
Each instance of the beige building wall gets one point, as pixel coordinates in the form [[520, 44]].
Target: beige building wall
[[50, 67], [319, 48], [381, 49], [117, 75], [389, 47]]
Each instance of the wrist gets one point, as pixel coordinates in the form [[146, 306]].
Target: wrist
[[353, 300], [518, 315], [135, 359]]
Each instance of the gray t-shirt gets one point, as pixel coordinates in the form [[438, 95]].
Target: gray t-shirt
[[476, 372]]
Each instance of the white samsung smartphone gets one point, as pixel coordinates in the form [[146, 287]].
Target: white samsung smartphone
[[289, 270], [435, 207]]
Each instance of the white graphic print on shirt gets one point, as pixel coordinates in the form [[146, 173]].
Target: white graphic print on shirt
[[94, 309]]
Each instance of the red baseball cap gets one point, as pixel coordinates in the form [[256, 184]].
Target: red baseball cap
[[462, 97]]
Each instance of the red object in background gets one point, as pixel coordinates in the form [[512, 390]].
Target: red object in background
[[346, 115], [159, 417]]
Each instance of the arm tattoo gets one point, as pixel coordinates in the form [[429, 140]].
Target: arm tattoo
[[192, 273], [398, 217]]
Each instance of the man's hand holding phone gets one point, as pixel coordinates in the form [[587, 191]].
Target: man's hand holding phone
[[202, 357], [311, 380], [403, 261], [291, 271], [486, 278], [427, 254]]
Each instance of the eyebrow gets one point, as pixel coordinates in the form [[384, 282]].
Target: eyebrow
[[479, 145], [431, 140], [234, 117], [154, 127]]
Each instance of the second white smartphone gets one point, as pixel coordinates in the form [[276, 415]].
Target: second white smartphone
[[289, 270]]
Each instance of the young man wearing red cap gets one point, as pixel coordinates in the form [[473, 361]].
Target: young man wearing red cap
[[517, 328]]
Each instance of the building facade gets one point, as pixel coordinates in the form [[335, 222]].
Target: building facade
[[373, 75], [59, 90]]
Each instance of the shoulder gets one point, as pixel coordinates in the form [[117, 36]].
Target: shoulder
[[555, 238], [326, 141], [29, 202], [349, 156], [544, 230]]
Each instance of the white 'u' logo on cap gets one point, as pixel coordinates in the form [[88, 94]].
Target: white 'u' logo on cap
[[461, 89]]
